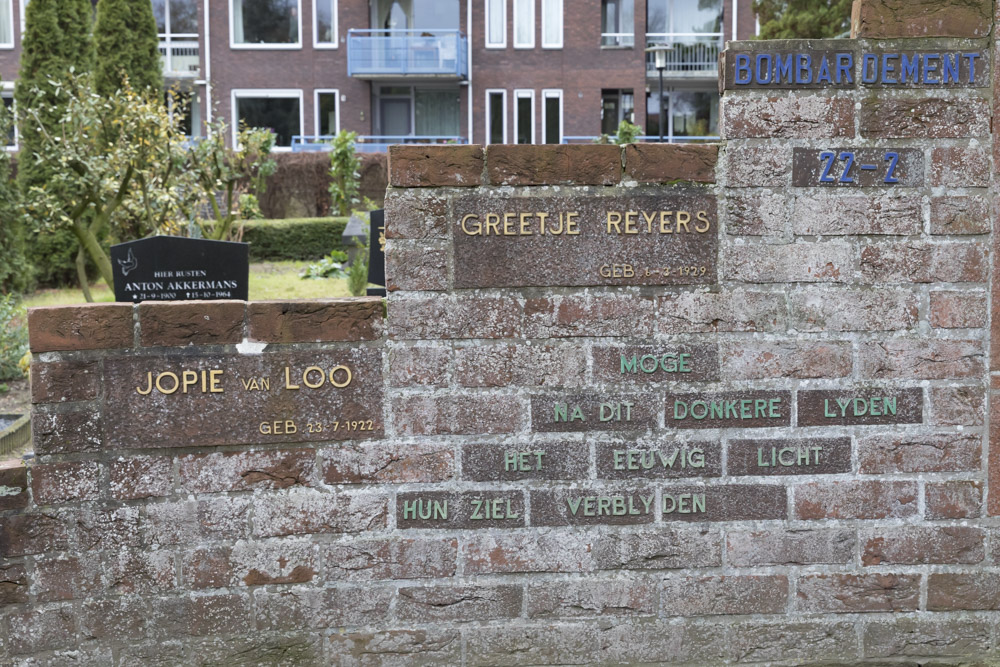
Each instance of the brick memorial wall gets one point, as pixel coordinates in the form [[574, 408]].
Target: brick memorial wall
[[653, 404]]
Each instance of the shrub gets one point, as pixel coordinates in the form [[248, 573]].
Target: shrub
[[13, 338], [295, 238]]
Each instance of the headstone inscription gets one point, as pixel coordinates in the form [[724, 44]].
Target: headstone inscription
[[174, 268]]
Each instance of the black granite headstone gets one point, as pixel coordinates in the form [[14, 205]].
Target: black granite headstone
[[376, 253], [174, 268]]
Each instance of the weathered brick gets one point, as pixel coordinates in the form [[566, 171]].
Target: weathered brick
[[207, 567], [664, 163], [141, 477], [117, 617], [261, 649], [959, 215], [758, 214], [655, 363], [354, 319], [241, 471], [510, 645], [91, 327], [191, 322], [425, 166], [369, 649], [658, 460], [25, 534], [416, 267], [917, 545], [201, 615], [14, 482], [960, 167], [397, 558], [958, 406], [419, 366], [745, 360], [993, 465], [572, 599], [62, 381], [922, 262], [457, 415], [860, 406], [658, 549], [856, 500], [659, 642], [53, 483], [803, 642], [59, 578], [458, 603], [451, 317], [958, 310], [588, 315], [450, 510], [724, 595], [190, 522], [304, 513], [806, 117], [790, 547], [284, 561], [388, 463], [851, 593], [730, 409], [960, 591], [758, 166], [887, 215], [730, 502], [109, 527], [535, 551], [512, 164], [520, 365], [894, 453], [415, 214], [551, 460], [565, 413], [575, 507], [828, 262], [138, 571], [816, 310], [954, 500], [14, 584], [886, 19], [66, 432], [884, 117], [726, 311], [37, 629], [922, 637], [912, 359]]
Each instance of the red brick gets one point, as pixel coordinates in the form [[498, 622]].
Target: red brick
[[386, 463], [117, 617], [856, 500], [396, 558], [895, 453], [746, 360], [62, 578], [191, 522], [729, 502], [884, 117], [201, 615], [139, 571], [242, 471], [297, 608], [436, 646], [806, 117], [447, 317], [207, 567], [305, 513], [758, 214], [724, 595], [915, 545], [507, 645], [954, 500], [457, 415], [26, 534], [958, 406], [960, 167], [422, 166], [108, 527], [856, 215], [910, 359], [53, 483], [274, 562], [726, 311], [141, 477], [191, 322], [922, 637], [959, 215], [595, 598], [665, 163], [90, 327], [887, 19], [458, 603], [658, 642], [520, 365], [415, 214], [14, 482], [38, 629], [959, 591], [851, 593], [537, 551], [419, 366], [59, 382], [819, 309], [791, 547], [993, 479], [958, 310], [499, 462], [513, 164], [353, 319], [588, 315], [13, 584], [922, 262], [66, 432], [416, 268], [758, 166], [806, 643], [828, 262]]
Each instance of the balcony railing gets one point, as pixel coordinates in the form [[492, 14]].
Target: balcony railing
[[676, 139], [368, 143], [375, 54], [694, 55], [180, 55]]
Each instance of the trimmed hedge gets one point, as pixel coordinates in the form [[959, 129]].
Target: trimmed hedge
[[295, 238]]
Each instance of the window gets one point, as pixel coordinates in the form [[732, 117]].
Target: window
[[187, 107], [616, 106], [8, 102], [177, 23], [496, 116], [426, 15], [6, 24], [429, 112], [552, 24], [524, 116], [325, 24], [273, 24], [327, 112], [617, 23], [552, 116], [524, 24], [689, 115], [277, 110], [496, 24]]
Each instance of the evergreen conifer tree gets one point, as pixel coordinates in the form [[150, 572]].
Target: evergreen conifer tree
[[126, 37], [802, 19]]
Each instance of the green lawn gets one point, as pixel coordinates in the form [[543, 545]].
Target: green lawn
[[268, 281]]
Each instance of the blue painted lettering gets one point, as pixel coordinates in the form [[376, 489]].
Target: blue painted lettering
[[803, 69], [845, 63], [930, 67], [888, 69], [951, 65], [743, 74], [971, 57], [824, 72], [908, 68], [869, 63], [764, 71], [783, 69]]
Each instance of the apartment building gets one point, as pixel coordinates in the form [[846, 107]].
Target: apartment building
[[479, 71]]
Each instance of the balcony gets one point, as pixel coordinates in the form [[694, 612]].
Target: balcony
[[367, 143], [395, 54], [693, 56], [180, 55]]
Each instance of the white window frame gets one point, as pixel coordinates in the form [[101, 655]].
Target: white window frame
[[286, 93], [7, 89], [4, 45], [525, 45], [503, 14], [489, 119], [22, 4], [316, 94], [262, 47], [547, 94], [562, 25], [524, 93], [335, 44]]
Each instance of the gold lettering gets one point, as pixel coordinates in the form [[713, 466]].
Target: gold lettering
[[149, 385], [188, 379], [288, 380], [649, 218], [492, 222], [702, 217], [525, 223], [615, 220], [479, 225], [571, 223], [665, 222], [168, 374], [346, 382], [213, 381], [541, 222], [508, 223], [311, 369], [630, 217], [683, 218]]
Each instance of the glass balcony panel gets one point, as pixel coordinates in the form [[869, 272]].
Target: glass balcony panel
[[400, 53], [692, 55]]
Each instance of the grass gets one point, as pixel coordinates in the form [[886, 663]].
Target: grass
[[268, 281]]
